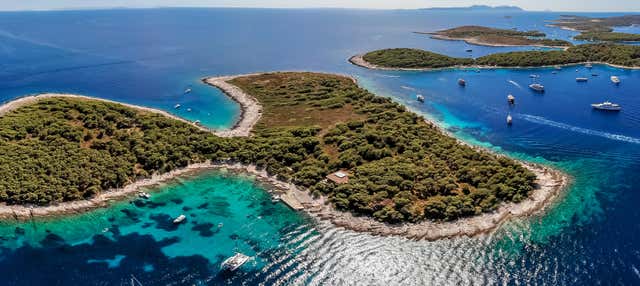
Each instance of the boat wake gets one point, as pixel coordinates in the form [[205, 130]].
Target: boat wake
[[515, 83], [544, 121], [408, 88]]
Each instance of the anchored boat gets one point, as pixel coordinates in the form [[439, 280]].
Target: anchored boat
[[511, 99], [608, 106], [581, 79], [537, 87], [462, 82], [509, 119], [420, 98], [179, 219], [234, 262], [615, 79]]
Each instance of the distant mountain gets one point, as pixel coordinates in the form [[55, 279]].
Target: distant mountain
[[478, 8]]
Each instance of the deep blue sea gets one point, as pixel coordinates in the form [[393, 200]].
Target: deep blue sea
[[150, 56]]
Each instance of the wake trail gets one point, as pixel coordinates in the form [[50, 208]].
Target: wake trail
[[544, 121]]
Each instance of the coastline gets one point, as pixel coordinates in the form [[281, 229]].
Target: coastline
[[359, 60], [550, 183], [477, 42]]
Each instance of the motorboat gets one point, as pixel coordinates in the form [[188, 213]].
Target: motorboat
[[462, 82], [615, 79], [144, 195], [537, 87], [420, 97], [509, 119], [581, 79], [177, 106], [608, 106], [188, 90], [179, 219], [234, 262], [511, 99]]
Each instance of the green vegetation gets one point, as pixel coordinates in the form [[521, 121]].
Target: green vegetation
[[493, 36], [608, 37], [624, 55], [413, 58], [600, 29], [402, 168], [69, 149]]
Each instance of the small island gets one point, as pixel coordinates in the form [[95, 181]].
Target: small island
[[599, 29], [362, 161], [624, 56], [486, 36]]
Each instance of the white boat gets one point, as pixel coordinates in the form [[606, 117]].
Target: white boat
[[607, 106], [144, 195], [509, 119], [557, 68], [581, 79], [234, 262], [462, 82], [534, 76], [511, 99], [197, 122], [188, 90], [588, 65], [188, 109], [615, 79], [537, 87], [275, 198], [420, 98], [179, 219], [177, 106]]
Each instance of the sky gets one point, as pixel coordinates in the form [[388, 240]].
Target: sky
[[555, 5]]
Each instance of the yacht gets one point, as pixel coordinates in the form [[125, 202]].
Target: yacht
[[177, 106], [509, 119], [615, 79], [537, 87], [420, 98], [234, 262], [607, 106], [581, 79], [511, 99], [462, 82], [179, 219]]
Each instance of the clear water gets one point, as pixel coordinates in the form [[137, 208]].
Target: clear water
[[150, 57]]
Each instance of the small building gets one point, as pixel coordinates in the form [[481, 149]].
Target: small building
[[339, 177]]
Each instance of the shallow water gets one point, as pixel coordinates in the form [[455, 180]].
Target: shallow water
[[150, 57]]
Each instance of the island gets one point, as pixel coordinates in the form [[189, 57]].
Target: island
[[486, 36], [624, 56], [359, 160], [599, 29]]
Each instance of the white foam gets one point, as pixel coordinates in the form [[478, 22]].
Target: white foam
[[544, 121]]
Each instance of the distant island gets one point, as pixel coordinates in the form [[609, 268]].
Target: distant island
[[364, 155], [624, 56], [483, 8], [599, 29], [486, 36]]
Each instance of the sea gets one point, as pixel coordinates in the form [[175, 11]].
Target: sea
[[590, 236]]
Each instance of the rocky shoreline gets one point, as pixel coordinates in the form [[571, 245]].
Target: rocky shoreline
[[550, 184]]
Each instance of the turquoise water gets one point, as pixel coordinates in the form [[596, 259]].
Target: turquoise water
[[150, 56]]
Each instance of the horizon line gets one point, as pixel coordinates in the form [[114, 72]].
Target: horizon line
[[516, 9]]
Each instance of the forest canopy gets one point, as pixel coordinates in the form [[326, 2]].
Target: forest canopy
[[401, 168], [623, 55]]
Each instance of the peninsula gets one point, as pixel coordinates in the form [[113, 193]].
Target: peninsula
[[400, 168], [485, 36], [599, 29], [625, 56]]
